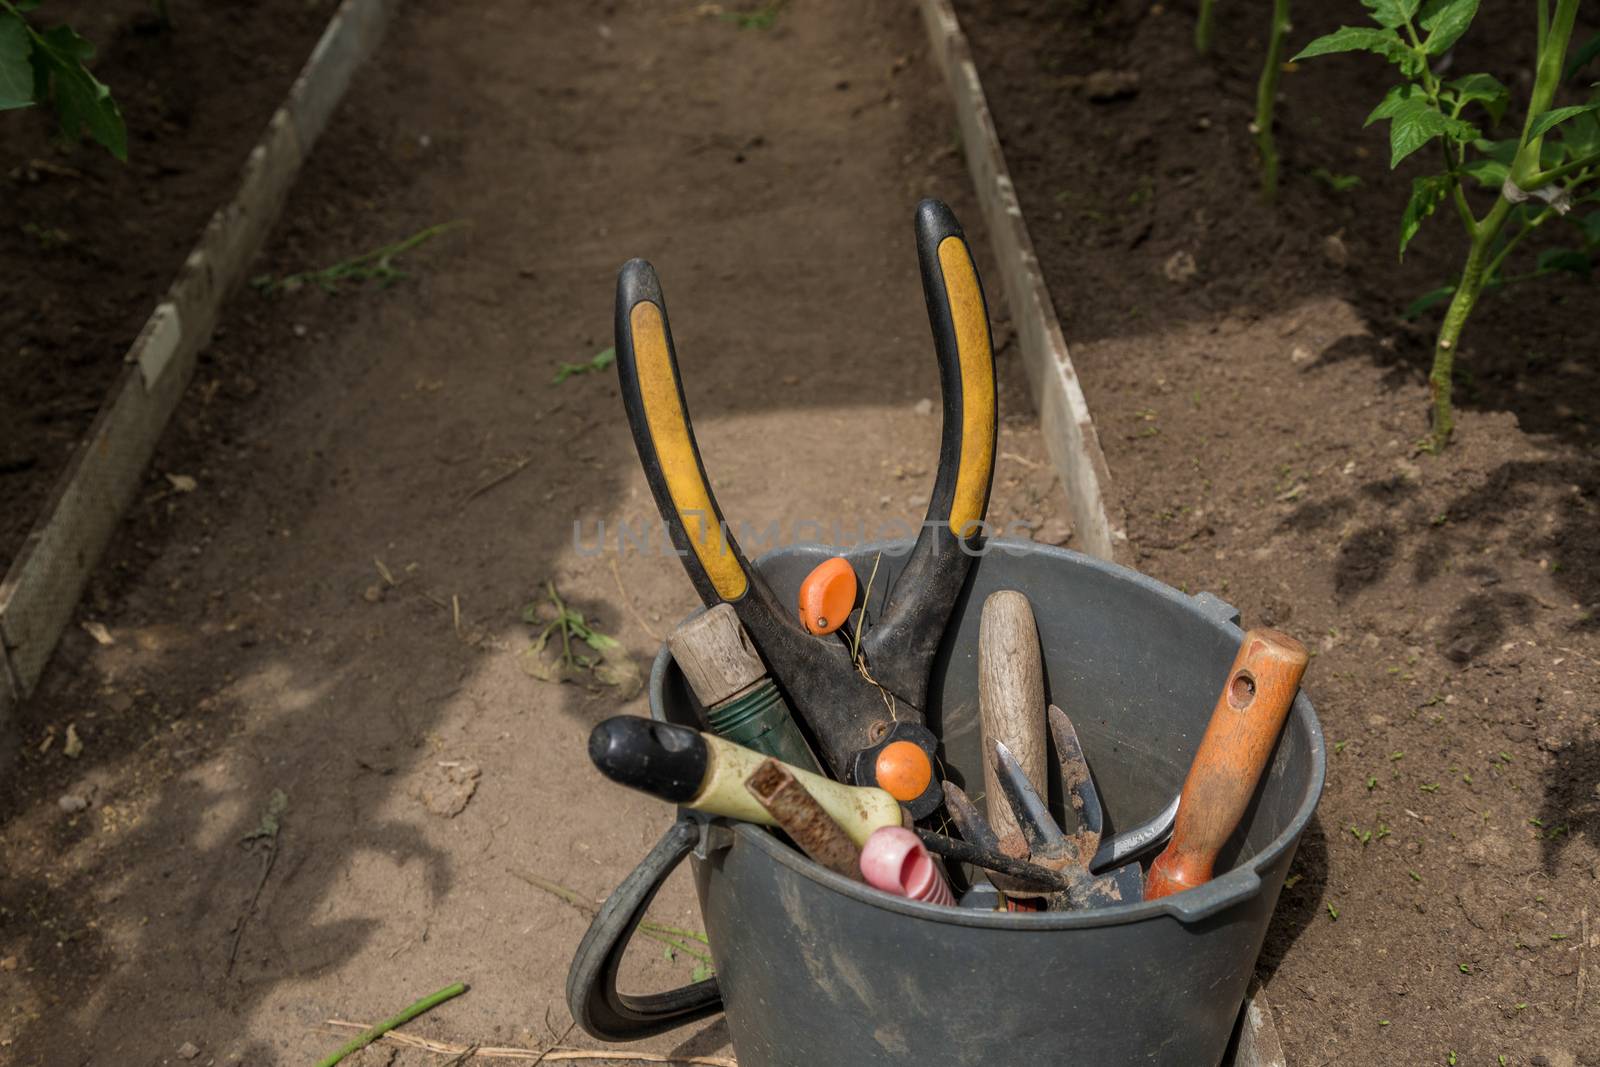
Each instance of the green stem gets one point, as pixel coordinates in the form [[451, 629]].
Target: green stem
[[1203, 27], [1266, 99], [675, 943], [367, 1037], [675, 931], [1455, 318], [1464, 209], [1555, 33], [1517, 279], [1500, 257], [1539, 181]]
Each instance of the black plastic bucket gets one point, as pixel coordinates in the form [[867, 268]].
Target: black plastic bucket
[[814, 969]]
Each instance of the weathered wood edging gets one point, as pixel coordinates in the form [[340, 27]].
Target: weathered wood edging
[[40, 590], [1069, 434]]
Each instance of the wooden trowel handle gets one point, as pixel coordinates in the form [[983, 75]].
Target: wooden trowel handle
[[1244, 726], [1010, 697]]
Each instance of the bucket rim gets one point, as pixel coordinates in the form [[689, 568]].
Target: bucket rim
[[1227, 889]]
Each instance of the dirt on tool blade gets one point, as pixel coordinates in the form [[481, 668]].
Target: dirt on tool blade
[[1259, 416], [384, 479]]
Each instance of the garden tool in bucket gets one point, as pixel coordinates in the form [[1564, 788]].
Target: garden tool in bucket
[[863, 700], [815, 968]]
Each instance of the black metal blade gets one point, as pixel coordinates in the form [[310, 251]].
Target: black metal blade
[[1038, 826], [970, 823]]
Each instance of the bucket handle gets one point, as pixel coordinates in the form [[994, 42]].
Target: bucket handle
[[592, 994]]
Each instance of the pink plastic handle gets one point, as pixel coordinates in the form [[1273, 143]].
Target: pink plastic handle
[[895, 861]]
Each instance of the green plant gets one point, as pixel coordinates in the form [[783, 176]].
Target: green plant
[[599, 362], [1267, 98], [762, 18], [1339, 183], [377, 265], [611, 666], [48, 66], [1266, 86], [1204, 26], [1538, 176]]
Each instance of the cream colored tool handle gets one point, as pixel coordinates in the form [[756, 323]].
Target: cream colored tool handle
[[1010, 698], [859, 809]]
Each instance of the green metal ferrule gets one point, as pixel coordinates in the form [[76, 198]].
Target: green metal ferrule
[[760, 720]]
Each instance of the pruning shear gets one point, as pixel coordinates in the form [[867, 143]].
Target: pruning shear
[[865, 710], [1044, 844]]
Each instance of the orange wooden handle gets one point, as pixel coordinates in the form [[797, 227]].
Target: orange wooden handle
[[1244, 725]]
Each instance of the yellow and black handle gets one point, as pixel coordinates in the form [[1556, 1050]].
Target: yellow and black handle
[[846, 714], [902, 643]]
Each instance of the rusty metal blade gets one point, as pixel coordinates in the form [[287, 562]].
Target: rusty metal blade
[[1077, 781], [805, 821]]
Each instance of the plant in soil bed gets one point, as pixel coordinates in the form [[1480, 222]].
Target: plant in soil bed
[[1543, 174], [1267, 98], [1266, 87], [47, 66]]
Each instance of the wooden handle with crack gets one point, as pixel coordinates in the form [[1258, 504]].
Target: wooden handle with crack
[[1249, 714], [1010, 698]]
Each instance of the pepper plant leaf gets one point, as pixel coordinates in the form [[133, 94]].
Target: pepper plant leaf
[[1391, 14], [1426, 195], [1432, 298], [1568, 259], [1549, 120], [1581, 58], [1484, 89], [1489, 173], [1446, 21], [1591, 227], [82, 102], [16, 72], [1358, 39], [1581, 135], [1414, 121], [1500, 151]]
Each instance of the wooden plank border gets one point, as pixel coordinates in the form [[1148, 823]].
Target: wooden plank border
[[1069, 433], [40, 591]]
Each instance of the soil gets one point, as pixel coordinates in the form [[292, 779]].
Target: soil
[[88, 243], [1259, 419], [386, 477]]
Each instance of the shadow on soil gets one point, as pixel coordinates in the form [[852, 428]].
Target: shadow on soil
[[1298, 905], [1571, 806], [1453, 537], [1171, 171], [339, 722]]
